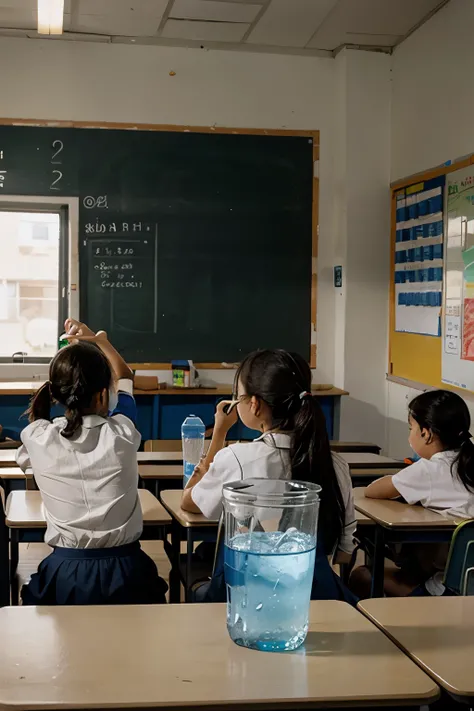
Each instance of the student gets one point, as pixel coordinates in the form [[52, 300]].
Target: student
[[85, 465], [273, 396], [442, 479]]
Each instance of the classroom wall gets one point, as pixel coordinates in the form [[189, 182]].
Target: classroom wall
[[346, 99], [432, 109], [124, 83], [362, 178]]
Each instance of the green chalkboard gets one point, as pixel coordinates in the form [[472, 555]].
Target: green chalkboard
[[191, 245]]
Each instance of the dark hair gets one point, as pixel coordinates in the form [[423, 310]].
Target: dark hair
[[283, 381], [446, 415], [76, 374]]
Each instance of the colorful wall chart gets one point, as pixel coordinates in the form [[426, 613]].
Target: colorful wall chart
[[419, 258], [458, 327]]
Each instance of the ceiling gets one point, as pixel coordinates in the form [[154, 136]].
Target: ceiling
[[291, 26]]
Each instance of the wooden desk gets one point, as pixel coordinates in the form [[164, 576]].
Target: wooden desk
[[368, 460], [195, 526], [337, 446], [7, 458], [160, 457], [8, 475], [364, 477], [24, 516], [180, 656], [159, 475], [436, 632], [397, 522]]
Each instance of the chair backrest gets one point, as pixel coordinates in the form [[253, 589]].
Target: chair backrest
[[459, 573]]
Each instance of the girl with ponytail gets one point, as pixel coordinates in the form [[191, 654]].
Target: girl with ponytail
[[273, 395], [85, 465], [442, 479]]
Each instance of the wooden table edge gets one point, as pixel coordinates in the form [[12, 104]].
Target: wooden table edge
[[427, 670], [444, 524], [182, 522]]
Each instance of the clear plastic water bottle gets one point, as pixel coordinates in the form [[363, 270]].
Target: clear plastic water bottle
[[193, 432]]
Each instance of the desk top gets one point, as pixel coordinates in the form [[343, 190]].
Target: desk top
[[368, 460], [157, 457], [395, 515], [165, 656], [12, 473], [373, 472], [24, 509], [436, 632], [157, 471], [172, 502], [7, 458], [22, 387]]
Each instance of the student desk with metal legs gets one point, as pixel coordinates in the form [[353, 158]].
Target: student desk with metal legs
[[26, 521], [181, 657], [437, 633], [197, 528], [400, 523]]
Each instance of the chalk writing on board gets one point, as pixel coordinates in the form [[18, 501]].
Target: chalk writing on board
[[58, 147], [99, 227], [57, 176], [105, 284], [99, 201], [3, 173], [113, 251]]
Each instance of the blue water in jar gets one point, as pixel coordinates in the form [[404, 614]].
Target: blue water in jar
[[268, 579]]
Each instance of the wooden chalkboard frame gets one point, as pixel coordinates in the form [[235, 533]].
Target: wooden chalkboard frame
[[314, 135]]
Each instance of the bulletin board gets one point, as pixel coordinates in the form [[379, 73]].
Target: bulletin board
[[417, 356]]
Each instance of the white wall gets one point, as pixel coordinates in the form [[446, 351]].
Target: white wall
[[433, 101], [363, 179], [432, 122]]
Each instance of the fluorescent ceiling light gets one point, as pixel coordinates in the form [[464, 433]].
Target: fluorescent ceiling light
[[50, 17]]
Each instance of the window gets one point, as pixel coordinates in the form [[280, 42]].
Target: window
[[32, 273], [8, 301]]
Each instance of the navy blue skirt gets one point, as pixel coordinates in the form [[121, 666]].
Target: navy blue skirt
[[123, 575]]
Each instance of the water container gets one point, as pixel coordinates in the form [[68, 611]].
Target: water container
[[270, 549], [192, 434]]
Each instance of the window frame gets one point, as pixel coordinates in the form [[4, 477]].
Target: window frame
[[68, 282]]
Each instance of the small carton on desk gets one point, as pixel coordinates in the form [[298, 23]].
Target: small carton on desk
[[184, 373]]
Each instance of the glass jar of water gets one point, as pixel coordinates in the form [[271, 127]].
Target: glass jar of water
[[270, 549]]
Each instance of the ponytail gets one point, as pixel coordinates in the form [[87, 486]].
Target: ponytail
[[73, 418], [40, 404], [311, 460], [283, 381], [464, 463]]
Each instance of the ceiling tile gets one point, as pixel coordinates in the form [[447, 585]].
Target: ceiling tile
[[290, 23], [382, 22], [131, 19], [214, 10], [121, 7], [212, 31]]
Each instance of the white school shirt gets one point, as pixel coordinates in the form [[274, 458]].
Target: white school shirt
[[265, 457], [88, 484], [430, 483]]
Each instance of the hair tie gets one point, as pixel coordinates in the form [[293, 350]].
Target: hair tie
[[304, 394]]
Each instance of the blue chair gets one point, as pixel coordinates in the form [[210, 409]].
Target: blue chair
[[459, 573]]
